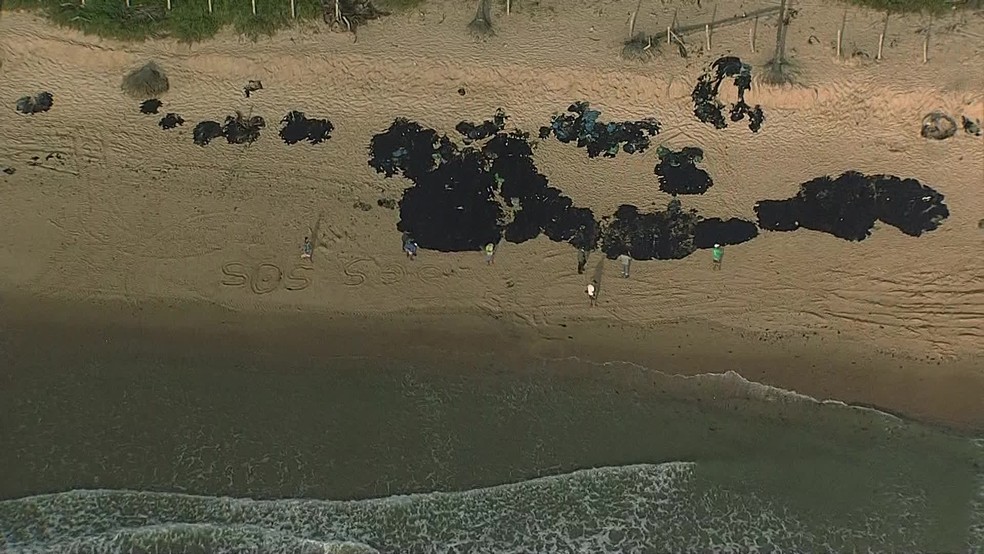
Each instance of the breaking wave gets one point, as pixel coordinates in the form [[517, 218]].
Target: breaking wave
[[628, 509]]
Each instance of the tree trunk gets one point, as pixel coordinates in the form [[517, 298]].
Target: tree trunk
[[780, 34]]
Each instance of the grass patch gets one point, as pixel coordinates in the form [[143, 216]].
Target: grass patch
[[187, 21], [190, 21]]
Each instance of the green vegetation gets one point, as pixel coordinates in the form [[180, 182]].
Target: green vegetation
[[188, 20]]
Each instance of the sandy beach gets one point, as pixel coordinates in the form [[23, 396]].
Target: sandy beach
[[108, 218]]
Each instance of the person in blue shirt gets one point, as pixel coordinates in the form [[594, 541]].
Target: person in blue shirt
[[410, 247]]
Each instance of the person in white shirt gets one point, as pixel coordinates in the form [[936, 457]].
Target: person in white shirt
[[625, 259]]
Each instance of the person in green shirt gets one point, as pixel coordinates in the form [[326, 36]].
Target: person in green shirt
[[489, 253], [716, 254]]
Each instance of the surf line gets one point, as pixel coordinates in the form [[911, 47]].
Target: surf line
[[763, 389]]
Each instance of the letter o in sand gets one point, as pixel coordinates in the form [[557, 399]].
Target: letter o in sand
[[392, 274], [431, 275], [266, 279]]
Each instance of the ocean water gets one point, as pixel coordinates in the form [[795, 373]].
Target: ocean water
[[627, 509], [113, 447]]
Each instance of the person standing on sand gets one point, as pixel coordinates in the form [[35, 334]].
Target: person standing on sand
[[625, 259], [489, 253], [582, 260], [716, 254], [410, 247], [592, 293], [307, 249]]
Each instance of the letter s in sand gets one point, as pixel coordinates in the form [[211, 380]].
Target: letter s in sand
[[297, 276], [354, 277], [236, 271]]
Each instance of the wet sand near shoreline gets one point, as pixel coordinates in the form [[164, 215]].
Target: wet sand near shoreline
[[942, 393]]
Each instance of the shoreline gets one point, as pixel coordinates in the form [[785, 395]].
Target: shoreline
[[450, 341]]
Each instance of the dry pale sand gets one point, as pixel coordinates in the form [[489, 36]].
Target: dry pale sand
[[128, 212]]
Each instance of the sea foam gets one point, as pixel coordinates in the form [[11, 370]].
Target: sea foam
[[627, 509]]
